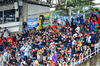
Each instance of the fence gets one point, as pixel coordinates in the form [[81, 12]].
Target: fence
[[96, 51]]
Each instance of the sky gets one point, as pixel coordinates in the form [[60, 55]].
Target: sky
[[97, 1]]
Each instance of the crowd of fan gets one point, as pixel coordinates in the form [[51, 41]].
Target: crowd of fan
[[55, 45]]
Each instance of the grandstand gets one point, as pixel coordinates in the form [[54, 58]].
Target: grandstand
[[31, 34]]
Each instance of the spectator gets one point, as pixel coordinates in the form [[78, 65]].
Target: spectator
[[26, 53], [93, 37], [24, 26], [1, 32], [91, 14], [53, 45], [5, 34]]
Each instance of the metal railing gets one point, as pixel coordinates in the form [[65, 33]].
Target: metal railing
[[95, 52]]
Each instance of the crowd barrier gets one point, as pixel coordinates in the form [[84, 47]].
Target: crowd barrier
[[96, 51]]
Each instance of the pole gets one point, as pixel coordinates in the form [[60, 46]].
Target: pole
[[71, 63], [65, 4], [95, 50], [15, 15], [51, 18], [74, 62], [84, 13], [3, 17], [87, 54], [90, 52], [69, 12]]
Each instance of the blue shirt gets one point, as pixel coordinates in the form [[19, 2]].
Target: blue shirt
[[96, 13], [22, 48], [91, 14], [92, 26], [40, 46], [22, 56], [28, 46]]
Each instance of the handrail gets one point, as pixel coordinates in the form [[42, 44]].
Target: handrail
[[84, 58]]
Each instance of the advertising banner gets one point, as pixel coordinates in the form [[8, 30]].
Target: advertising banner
[[44, 19]]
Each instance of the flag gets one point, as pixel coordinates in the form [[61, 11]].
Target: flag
[[10, 40], [55, 57]]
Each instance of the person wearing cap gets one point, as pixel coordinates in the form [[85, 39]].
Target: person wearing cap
[[77, 56], [52, 42], [61, 59], [88, 39], [79, 47], [93, 37], [52, 63]]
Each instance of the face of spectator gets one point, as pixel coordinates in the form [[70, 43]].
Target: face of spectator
[[92, 32], [91, 10], [69, 40], [12, 46], [0, 38], [25, 47], [98, 31]]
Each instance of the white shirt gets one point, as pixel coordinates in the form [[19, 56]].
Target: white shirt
[[1, 31], [80, 34], [59, 21], [75, 35], [23, 62], [88, 39], [5, 34], [51, 43], [1, 59], [73, 42], [77, 29], [26, 52]]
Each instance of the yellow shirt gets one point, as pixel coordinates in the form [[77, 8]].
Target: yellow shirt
[[38, 27], [78, 46]]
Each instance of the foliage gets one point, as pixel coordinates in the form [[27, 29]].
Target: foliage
[[74, 5], [77, 5]]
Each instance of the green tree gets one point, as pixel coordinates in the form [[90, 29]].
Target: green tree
[[75, 3]]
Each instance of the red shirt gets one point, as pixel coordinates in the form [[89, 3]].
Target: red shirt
[[54, 26], [56, 31], [98, 20], [53, 64], [0, 41]]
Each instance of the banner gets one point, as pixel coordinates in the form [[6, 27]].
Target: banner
[[32, 22], [10, 40], [44, 19]]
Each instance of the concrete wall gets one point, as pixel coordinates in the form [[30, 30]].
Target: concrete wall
[[94, 61], [6, 7], [33, 10], [13, 26], [28, 9]]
